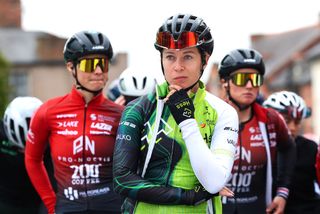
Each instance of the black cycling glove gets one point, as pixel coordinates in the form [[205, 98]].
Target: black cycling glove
[[196, 196], [181, 106]]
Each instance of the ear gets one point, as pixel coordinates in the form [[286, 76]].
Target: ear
[[224, 83], [207, 56], [70, 66]]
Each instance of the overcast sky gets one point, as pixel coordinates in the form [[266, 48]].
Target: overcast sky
[[131, 25]]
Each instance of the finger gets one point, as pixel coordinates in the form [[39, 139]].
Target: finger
[[174, 87]]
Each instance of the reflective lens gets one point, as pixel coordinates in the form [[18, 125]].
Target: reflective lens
[[89, 65], [241, 79], [186, 39]]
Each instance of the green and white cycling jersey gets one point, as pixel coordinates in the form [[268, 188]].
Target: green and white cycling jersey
[[197, 153]]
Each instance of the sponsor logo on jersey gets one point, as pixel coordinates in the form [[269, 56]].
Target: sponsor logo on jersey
[[71, 194], [245, 154], [123, 137], [101, 118], [66, 124], [232, 142], [202, 125], [126, 123], [256, 137], [85, 174], [105, 159], [93, 117], [92, 132], [165, 125], [228, 128], [101, 126], [67, 132], [59, 116], [87, 145]]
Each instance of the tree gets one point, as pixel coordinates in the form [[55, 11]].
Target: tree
[[4, 84]]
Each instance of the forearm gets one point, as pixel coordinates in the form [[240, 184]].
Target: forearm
[[40, 180], [286, 164], [212, 167]]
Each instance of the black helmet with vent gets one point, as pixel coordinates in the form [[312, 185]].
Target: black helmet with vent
[[87, 42], [180, 23], [241, 58]]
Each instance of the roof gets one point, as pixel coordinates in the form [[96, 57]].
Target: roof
[[21, 47], [280, 50]]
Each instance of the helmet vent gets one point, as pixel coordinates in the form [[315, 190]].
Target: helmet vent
[[89, 36], [144, 82], [244, 55], [28, 119], [100, 38], [135, 82], [21, 134], [12, 132]]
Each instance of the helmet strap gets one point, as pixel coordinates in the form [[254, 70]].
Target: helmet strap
[[81, 87]]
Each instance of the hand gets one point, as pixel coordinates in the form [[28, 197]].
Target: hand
[[196, 196], [120, 100], [277, 206], [180, 105], [225, 191]]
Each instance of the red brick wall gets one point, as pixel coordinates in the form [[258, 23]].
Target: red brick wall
[[10, 13]]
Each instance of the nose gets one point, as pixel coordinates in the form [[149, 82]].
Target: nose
[[249, 84], [178, 65], [98, 70]]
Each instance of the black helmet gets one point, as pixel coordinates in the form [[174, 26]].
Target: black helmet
[[85, 43], [179, 23], [241, 58]]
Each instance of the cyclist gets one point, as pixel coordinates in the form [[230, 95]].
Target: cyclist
[[263, 135], [175, 147], [17, 194], [81, 128], [302, 198], [133, 83]]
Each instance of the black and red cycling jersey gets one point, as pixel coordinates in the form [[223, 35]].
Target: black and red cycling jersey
[[81, 137], [249, 174]]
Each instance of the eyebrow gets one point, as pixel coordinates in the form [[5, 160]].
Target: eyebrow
[[169, 51]]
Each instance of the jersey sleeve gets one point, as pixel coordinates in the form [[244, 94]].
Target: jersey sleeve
[[286, 154], [35, 148], [213, 166]]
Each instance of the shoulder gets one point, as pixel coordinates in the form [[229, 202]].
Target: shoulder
[[219, 105], [306, 142], [112, 106], [274, 116], [52, 103]]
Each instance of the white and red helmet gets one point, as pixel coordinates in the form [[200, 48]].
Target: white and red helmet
[[288, 103]]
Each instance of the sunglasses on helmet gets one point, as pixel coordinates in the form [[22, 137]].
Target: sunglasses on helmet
[[241, 79], [89, 65], [185, 40]]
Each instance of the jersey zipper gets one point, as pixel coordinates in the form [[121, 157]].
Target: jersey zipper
[[83, 150], [239, 167]]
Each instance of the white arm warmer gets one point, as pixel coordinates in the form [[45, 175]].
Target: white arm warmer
[[212, 166]]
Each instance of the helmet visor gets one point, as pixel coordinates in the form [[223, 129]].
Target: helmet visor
[[241, 79], [185, 40], [90, 65]]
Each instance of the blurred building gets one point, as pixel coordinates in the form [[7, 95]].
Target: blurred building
[[36, 58], [293, 63]]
